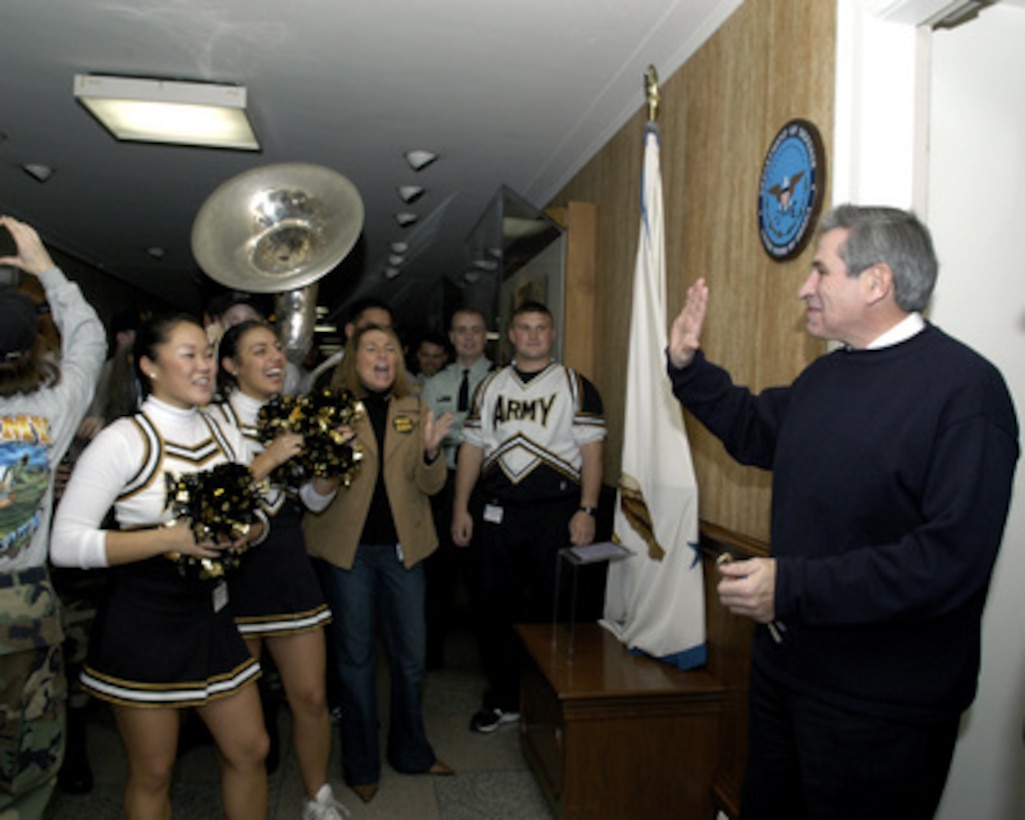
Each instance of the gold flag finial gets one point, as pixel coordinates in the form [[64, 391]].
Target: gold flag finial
[[651, 92]]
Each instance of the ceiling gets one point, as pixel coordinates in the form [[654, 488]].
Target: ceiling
[[509, 93]]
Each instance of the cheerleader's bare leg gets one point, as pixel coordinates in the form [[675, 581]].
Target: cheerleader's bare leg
[[236, 724], [300, 661], [151, 742]]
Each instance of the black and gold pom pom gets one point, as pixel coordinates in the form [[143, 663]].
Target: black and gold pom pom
[[316, 418], [220, 505]]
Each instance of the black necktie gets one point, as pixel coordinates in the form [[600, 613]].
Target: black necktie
[[464, 392]]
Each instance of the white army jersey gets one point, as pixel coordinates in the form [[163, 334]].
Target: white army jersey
[[531, 427]]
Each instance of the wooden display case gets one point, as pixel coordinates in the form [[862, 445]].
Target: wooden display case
[[613, 735]]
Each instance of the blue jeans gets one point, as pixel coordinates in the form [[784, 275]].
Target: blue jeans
[[379, 590]]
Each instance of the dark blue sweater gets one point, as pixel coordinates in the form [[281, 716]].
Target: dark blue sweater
[[892, 473]]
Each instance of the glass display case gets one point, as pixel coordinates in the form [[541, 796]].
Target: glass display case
[[516, 253]]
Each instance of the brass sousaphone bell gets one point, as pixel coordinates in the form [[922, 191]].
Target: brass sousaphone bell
[[279, 229]]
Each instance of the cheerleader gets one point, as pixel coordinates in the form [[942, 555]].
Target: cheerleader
[[166, 638], [275, 595]]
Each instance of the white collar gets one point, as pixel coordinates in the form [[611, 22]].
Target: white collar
[[907, 327], [153, 404], [247, 406]]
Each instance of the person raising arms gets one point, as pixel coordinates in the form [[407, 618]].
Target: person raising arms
[[43, 397]]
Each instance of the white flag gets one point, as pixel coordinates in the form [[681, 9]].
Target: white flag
[[654, 600]]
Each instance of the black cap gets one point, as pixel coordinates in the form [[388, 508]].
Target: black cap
[[18, 325]]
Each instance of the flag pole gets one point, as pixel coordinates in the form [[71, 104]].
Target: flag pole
[[655, 600], [651, 92]]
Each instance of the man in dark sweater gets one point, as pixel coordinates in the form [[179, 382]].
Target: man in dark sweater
[[893, 459]]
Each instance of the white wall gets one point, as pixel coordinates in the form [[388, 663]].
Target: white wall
[[977, 215], [952, 116]]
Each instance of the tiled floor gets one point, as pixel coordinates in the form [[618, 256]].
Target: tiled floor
[[492, 779]]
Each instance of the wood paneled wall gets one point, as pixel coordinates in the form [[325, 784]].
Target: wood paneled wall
[[579, 220], [771, 61]]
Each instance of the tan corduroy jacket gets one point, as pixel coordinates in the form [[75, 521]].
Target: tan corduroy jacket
[[408, 480]]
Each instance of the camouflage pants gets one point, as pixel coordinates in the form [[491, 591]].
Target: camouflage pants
[[32, 692], [81, 592]]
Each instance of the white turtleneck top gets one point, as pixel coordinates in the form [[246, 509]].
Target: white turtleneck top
[[125, 467], [241, 411]]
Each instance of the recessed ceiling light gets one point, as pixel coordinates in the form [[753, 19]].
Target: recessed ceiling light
[[405, 218], [35, 169], [391, 273], [486, 264], [399, 247], [155, 252], [410, 193], [419, 159], [471, 276], [395, 259]]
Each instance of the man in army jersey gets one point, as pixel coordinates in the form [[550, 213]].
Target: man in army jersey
[[533, 449]]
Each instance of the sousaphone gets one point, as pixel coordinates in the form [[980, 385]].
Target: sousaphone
[[279, 229]]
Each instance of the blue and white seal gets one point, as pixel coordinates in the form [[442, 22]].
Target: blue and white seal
[[791, 187]]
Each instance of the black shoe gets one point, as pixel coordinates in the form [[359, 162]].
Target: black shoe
[[488, 720]]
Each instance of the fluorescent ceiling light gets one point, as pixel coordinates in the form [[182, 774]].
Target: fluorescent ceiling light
[[204, 114]]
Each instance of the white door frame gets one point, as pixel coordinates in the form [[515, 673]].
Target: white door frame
[[881, 126]]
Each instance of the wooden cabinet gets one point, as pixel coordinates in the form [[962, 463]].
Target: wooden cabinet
[[613, 735], [729, 660]]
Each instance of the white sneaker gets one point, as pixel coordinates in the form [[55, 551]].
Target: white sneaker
[[488, 720], [324, 806]]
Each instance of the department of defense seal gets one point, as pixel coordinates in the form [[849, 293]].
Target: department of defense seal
[[790, 190]]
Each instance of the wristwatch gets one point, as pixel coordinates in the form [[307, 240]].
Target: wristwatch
[[591, 511]]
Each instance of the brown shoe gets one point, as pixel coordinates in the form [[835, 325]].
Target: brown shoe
[[366, 791], [441, 769]]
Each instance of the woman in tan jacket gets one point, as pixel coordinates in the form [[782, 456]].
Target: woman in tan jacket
[[373, 538]]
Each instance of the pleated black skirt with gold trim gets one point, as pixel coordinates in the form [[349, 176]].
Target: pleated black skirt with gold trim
[[164, 640]]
